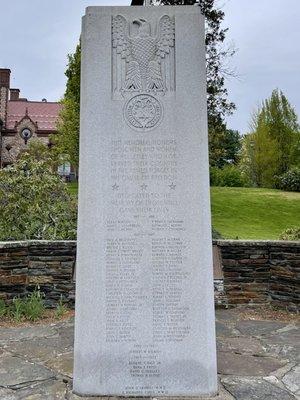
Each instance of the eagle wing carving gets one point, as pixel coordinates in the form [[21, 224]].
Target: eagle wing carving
[[122, 42], [120, 37], [166, 36], [164, 42]]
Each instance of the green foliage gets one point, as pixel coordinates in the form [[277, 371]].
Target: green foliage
[[252, 213], [273, 146], [17, 309], [290, 180], [61, 309], [216, 60], [29, 308], [34, 307], [34, 202], [290, 234], [230, 176], [3, 308], [67, 139], [282, 123], [232, 145]]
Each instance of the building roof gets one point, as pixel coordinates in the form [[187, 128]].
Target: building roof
[[44, 114]]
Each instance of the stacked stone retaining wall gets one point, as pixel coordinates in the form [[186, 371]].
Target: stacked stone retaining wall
[[48, 265], [260, 272], [246, 272]]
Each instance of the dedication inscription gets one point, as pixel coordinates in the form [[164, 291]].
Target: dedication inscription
[[144, 291]]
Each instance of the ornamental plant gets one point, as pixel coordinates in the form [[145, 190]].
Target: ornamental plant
[[290, 181], [291, 234], [34, 201]]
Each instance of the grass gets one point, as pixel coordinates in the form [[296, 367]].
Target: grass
[[73, 188], [250, 213]]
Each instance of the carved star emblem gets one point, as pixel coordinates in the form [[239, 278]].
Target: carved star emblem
[[144, 186], [115, 187], [172, 186]]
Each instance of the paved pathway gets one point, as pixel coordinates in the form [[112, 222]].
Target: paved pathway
[[257, 360]]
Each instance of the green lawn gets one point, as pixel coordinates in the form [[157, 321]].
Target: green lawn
[[247, 213], [73, 188]]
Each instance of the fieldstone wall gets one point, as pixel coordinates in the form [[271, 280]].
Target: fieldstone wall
[[48, 264], [246, 272], [260, 272]]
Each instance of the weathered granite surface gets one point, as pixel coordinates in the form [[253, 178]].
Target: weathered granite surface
[[144, 235], [36, 362]]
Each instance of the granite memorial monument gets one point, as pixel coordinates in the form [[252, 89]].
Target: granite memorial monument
[[144, 286]]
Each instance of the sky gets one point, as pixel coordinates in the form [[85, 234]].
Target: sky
[[37, 35]]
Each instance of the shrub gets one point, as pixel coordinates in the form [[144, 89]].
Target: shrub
[[229, 176], [61, 309], [16, 309], [3, 309], [34, 306], [290, 234], [35, 202], [290, 181], [30, 308]]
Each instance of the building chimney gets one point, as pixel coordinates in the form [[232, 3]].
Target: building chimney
[[4, 77], [14, 94], [4, 91]]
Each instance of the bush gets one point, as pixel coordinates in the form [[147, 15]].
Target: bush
[[61, 309], [3, 309], [290, 234], [30, 308], [290, 181], [229, 176], [35, 202]]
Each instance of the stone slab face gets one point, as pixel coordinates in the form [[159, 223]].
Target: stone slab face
[[144, 296]]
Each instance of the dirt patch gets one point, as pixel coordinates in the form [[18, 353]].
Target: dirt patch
[[268, 314], [48, 318]]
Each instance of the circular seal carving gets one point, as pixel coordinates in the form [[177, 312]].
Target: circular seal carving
[[143, 112]]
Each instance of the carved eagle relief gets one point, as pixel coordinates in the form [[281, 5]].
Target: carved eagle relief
[[142, 62]]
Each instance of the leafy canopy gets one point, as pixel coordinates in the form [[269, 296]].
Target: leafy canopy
[[273, 145], [67, 139]]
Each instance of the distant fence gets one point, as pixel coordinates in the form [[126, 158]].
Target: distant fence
[[245, 272]]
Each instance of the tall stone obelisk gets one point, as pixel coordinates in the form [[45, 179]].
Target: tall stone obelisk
[[144, 283]]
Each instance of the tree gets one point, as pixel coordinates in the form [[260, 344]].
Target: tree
[[272, 146], [232, 146], [217, 94], [67, 139], [34, 201], [282, 124], [225, 148]]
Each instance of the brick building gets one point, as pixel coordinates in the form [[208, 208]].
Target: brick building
[[22, 120]]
